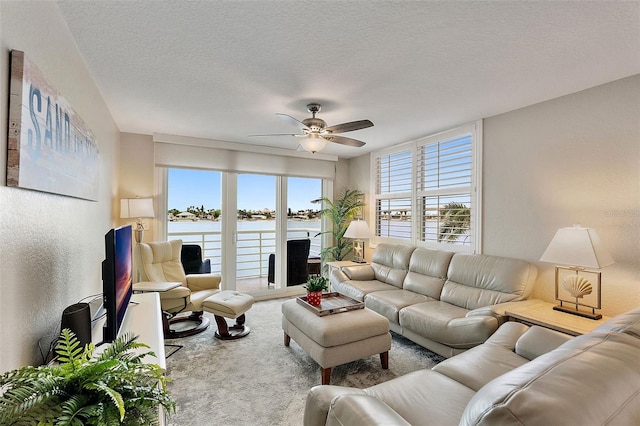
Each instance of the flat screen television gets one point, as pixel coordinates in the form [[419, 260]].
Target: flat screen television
[[117, 279]]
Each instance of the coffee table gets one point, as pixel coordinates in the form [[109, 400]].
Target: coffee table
[[336, 339]]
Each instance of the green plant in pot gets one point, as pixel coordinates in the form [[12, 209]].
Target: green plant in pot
[[315, 286], [82, 388], [340, 212]]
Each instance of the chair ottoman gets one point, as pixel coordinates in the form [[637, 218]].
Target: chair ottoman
[[336, 339], [229, 304]]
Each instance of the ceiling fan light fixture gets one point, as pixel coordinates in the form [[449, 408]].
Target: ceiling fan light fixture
[[313, 143]]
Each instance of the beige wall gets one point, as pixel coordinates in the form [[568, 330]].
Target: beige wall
[[574, 159], [136, 173], [51, 247]]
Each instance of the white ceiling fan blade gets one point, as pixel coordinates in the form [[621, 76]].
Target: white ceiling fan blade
[[289, 119]]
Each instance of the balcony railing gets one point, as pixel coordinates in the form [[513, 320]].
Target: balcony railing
[[253, 248]]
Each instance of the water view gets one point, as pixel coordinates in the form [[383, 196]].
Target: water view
[[256, 241]]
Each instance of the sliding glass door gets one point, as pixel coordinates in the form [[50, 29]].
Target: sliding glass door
[[243, 222], [256, 232], [194, 211]]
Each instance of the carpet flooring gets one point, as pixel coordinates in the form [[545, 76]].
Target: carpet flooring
[[259, 381]]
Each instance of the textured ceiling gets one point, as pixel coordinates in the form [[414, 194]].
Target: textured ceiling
[[222, 69]]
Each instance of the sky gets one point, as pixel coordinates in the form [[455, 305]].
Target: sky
[[255, 192]]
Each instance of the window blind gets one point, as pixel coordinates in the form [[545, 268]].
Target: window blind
[[175, 151]]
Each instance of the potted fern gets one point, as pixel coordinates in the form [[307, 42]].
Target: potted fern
[[112, 388], [315, 286]]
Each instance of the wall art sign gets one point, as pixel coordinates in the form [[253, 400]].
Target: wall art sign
[[50, 148]]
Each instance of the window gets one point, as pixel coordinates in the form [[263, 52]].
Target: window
[[426, 191], [394, 184]]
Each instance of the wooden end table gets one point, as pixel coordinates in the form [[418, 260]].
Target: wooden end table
[[543, 315]]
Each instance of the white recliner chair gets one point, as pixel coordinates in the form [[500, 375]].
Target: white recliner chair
[[160, 262]]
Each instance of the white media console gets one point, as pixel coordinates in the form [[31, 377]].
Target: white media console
[[144, 319]]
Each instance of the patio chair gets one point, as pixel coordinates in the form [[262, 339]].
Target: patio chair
[[297, 259]]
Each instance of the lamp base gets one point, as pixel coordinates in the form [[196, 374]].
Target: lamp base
[[573, 311]]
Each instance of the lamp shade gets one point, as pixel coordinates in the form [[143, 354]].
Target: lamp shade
[[577, 246], [358, 229], [136, 208], [313, 143]]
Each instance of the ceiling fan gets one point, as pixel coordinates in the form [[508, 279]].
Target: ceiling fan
[[316, 134]]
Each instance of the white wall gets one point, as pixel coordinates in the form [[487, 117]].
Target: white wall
[[574, 159], [51, 247]]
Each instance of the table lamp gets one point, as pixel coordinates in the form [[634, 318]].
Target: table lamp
[[137, 208], [359, 231], [577, 248]]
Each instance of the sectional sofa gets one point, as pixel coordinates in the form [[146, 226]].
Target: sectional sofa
[[446, 302], [519, 376]]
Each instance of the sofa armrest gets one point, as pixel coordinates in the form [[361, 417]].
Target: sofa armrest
[[362, 410], [499, 310], [538, 341], [318, 402], [359, 272]]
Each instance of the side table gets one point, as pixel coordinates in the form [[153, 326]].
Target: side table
[[154, 287], [543, 315]]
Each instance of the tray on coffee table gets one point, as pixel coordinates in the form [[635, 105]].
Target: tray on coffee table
[[332, 303]]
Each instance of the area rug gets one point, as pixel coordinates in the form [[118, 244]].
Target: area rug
[[257, 380]]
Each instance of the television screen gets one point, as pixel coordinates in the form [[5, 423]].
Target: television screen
[[117, 279]]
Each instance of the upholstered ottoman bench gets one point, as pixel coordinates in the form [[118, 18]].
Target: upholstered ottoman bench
[[336, 339], [229, 304]]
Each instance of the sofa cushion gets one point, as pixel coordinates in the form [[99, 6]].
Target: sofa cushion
[[475, 280], [427, 271], [390, 263], [592, 379], [359, 289], [446, 323], [389, 302], [424, 397]]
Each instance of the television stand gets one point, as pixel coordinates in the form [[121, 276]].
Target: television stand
[[143, 319]]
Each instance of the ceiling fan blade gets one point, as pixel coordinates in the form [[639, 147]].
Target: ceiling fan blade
[[349, 127], [343, 141], [289, 119], [279, 134]]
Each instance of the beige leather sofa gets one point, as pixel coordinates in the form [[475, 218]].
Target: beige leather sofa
[[519, 376], [443, 301]]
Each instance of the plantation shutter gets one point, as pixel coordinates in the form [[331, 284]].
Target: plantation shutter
[[393, 208], [444, 189]]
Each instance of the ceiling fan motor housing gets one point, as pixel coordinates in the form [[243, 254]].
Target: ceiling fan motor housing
[[315, 124]]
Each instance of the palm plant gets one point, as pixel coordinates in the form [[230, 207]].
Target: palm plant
[[455, 220], [112, 388], [340, 212]]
